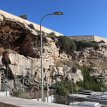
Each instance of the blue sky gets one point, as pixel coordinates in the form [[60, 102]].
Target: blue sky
[[81, 17]]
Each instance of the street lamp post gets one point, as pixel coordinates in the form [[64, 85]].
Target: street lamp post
[[41, 50], [72, 83]]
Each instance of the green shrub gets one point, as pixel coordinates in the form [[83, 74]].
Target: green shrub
[[90, 82], [84, 44], [61, 89], [66, 44], [21, 94], [51, 35], [64, 88], [24, 16]]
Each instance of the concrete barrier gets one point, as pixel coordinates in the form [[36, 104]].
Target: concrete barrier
[[5, 93]]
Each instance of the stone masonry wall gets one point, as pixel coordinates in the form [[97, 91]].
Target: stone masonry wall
[[36, 26], [83, 37], [88, 38]]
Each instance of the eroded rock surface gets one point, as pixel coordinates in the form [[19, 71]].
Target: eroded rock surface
[[22, 42]]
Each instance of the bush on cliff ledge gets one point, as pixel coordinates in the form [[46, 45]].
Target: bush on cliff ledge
[[84, 44], [90, 82], [66, 45]]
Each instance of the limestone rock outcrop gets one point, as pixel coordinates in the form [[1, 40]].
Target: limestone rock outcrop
[[23, 45]]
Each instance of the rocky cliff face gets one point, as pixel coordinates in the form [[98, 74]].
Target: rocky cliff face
[[22, 42]]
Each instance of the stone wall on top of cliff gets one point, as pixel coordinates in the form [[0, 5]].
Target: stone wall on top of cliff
[[26, 22]]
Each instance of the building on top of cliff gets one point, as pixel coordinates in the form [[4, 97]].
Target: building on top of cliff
[[89, 38], [12, 17]]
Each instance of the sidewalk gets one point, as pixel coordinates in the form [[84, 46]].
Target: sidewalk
[[19, 102]]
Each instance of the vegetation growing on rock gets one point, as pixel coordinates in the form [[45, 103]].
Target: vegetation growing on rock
[[66, 45], [84, 44], [91, 82]]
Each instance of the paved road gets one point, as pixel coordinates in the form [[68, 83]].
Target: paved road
[[102, 99], [19, 102]]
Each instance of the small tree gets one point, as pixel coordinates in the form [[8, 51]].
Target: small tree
[[61, 89]]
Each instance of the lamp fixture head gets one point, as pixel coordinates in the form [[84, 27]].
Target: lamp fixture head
[[58, 13]]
